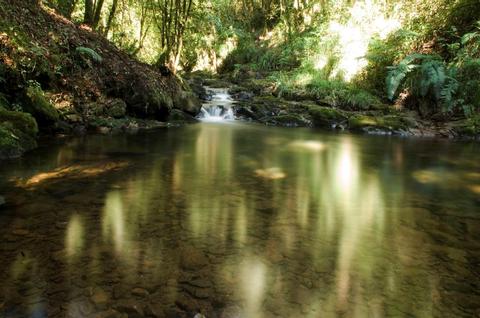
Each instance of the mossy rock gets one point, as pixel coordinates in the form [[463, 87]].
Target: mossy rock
[[20, 121], [468, 127], [18, 133], [180, 117], [116, 108], [326, 116], [187, 102], [148, 102], [290, 120], [37, 104], [216, 83], [259, 86], [387, 124]]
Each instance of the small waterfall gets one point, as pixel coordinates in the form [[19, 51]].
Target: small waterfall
[[219, 108]]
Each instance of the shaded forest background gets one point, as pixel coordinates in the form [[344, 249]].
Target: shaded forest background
[[423, 53], [394, 67]]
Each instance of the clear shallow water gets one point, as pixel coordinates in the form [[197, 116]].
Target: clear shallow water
[[236, 220]]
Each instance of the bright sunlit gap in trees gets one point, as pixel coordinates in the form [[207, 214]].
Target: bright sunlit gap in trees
[[367, 20]]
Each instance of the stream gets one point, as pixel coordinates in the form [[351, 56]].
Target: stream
[[231, 219]]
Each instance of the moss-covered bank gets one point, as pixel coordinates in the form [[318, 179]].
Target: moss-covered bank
[[72, 80]]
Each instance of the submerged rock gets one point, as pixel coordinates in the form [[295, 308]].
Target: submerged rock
[[130, 307], [140, 292], [2, 200], [193, 258], [273, 173], [99, 298]]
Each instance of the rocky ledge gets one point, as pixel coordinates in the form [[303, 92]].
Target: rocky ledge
[[260, 104]]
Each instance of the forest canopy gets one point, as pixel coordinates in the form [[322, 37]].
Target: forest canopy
[[424, 50]]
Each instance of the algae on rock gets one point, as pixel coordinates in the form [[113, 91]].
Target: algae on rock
[[326, 117], [37, 104], [18, 133]]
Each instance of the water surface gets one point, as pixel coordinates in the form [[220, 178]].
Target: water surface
[[237, 220]]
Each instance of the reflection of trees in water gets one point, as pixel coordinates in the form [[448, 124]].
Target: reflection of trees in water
[[348, 229]]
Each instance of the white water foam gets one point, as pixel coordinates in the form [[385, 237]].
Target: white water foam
[[219, 108]]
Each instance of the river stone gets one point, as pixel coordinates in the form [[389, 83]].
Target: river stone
[[99, 298], [243, 96], [120, 291], [152, 310], [231, 312], [130, 307], [192, 258], [140, 292], [200, 282], [111, 313], [2, 200]]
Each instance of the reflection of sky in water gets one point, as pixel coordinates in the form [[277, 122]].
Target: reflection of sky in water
[[272, 221]]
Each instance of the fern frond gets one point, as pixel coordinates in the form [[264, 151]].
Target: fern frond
[[448, 92], [433, 78], [90, 53], [396, 75]]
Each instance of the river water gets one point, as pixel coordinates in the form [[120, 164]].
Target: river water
[[241, 220]]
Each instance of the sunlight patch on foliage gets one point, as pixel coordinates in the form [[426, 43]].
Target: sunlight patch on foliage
[[367, 19]]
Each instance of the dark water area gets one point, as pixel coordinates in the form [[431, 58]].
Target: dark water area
[[238, 220]]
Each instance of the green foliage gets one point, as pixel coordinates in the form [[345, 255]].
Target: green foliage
[[88, 52], [468, 76], [311, 85], [431, 78]]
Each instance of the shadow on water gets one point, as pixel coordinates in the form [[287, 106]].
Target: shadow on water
[[241, 220]]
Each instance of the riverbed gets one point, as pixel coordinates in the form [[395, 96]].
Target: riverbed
[[232, 219]]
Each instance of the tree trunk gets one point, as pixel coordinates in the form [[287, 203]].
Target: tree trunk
[[66, 7], [113, 10], [97, 13], [88, 15]]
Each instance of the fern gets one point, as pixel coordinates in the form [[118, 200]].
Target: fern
[[397, 74], [431, 77], [447, 93], [90, 53]]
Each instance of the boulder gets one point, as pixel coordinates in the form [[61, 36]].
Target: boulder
[[116, 108], [326, 117], [380, 124], [145, 100], [18, 133], [243, 96], [187, 102], [178, 116], [287, 120], [37, 104]]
